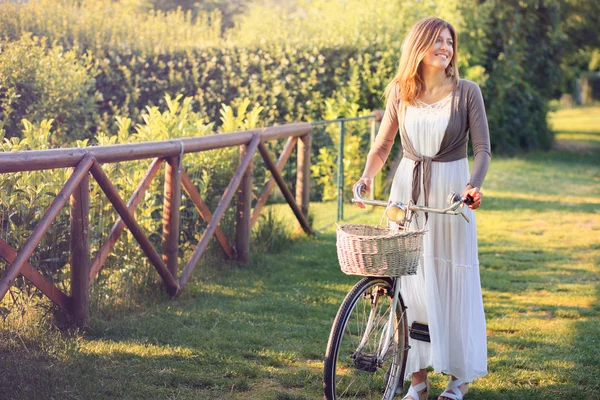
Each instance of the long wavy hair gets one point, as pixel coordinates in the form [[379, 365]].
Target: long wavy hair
[[420, 39]]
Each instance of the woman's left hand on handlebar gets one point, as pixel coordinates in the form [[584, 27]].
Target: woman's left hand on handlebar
[[475, 194], [363, 181]]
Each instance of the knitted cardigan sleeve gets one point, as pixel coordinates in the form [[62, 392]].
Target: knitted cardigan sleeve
[[480, 136], [387, 129]]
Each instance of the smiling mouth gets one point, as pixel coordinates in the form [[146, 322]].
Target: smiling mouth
[[444, 56]]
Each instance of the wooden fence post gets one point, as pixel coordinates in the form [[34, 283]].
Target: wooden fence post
[[244, 212], [303, 175], [171, 205], [80, 253]]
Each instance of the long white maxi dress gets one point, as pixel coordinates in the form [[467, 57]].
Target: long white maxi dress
[[446, 291]]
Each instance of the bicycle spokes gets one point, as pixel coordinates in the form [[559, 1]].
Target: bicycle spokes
[[366, 351]]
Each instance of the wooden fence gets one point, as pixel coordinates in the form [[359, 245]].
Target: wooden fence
[[87, 161]]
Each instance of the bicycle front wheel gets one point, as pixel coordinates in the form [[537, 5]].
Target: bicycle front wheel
[[356, 363]]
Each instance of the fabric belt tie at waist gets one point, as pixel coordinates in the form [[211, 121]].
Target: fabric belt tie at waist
[[426, 161], [416, 177], [416, 181]]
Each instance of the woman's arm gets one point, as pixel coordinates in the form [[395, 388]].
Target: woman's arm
[[480, 141], [381, 148]]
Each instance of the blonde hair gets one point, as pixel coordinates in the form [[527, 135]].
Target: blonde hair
[[420, 39]]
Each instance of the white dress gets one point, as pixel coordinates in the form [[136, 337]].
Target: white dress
[[446, 291]]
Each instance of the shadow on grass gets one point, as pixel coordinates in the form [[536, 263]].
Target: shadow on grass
[[526, 270], [567, 365], [267, 321], [587, 340], [118, 375], [518, 288]]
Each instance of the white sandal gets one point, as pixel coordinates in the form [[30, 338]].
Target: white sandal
[[453, 390], [419, 391]]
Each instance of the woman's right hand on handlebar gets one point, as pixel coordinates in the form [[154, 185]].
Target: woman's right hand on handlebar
[[363, 181]]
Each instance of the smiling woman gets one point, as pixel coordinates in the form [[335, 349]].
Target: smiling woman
[[434, 111], [441, 52], [430, 45]]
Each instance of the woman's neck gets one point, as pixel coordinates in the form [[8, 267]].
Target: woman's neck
[[434, 79]]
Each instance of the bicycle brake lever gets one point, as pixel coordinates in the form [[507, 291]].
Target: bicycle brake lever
[[465, 217]]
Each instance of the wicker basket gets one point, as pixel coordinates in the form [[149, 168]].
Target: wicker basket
[[373, 251]]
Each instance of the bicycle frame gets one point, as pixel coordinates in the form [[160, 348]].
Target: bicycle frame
[[386, 337], [372, 350], [455, 201]]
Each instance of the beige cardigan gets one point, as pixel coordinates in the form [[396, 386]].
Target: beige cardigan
[[466, 115]]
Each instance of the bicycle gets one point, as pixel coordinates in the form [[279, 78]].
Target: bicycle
[[368, 344]]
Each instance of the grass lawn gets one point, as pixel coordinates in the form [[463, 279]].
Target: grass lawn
[[259, 331]]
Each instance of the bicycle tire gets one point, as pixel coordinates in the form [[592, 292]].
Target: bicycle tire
[[348, 374]]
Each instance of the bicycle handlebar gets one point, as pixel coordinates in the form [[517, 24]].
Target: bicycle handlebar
[[454, 200]]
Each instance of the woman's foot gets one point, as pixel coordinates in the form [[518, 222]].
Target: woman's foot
[[419, 387], [418, 391], [455, 390]]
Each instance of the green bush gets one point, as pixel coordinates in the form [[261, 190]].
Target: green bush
[[521, 63], [356, 143], [291, 84], [127, 271], [38, 82], [271, 234], [24, 198]]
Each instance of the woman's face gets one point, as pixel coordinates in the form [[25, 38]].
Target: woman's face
[[440, 54]]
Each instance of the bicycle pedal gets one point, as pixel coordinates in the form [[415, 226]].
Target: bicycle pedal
[[365, 363]]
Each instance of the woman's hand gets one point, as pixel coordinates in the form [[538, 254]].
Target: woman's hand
[[363, 181], [473, 193]]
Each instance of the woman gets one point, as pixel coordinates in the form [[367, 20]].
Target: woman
[[435, 110]]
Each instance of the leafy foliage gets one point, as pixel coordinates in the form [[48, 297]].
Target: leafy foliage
[[271, 234], [229, 9], [310, 53], [259, 332], [38, 82], [122, 26], [27, 195], [522, 68], [79, 70]]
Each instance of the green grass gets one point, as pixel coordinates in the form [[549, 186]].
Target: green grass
[[259, 331], [577, 129]]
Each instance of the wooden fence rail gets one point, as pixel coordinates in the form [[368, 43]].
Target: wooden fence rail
[[87, 161]]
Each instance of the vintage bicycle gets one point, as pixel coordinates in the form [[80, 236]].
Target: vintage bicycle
[[368, 344]]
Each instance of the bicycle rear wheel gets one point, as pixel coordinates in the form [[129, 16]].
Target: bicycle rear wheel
[[355, 371]]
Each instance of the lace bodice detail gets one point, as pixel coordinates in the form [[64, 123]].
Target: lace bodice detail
[[437, 107], [425, 125]]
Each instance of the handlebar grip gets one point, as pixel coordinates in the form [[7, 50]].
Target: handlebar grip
[[455, 197], [359, 190]]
